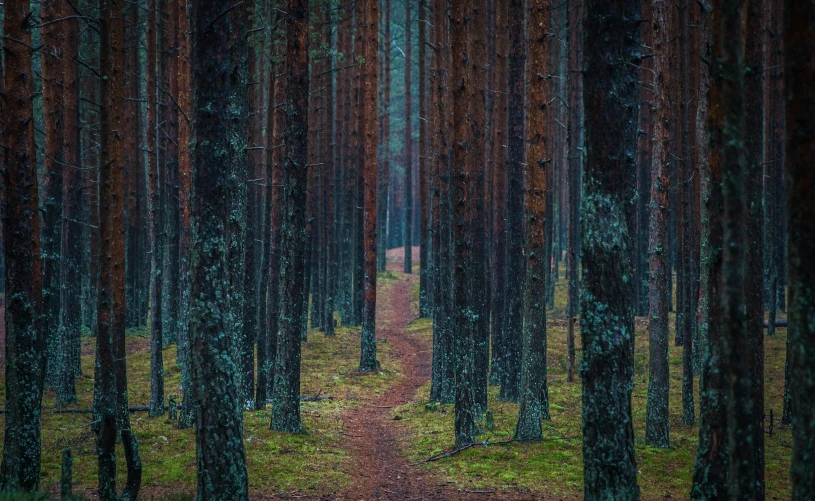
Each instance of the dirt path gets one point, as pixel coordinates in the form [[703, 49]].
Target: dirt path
[[381, 472]]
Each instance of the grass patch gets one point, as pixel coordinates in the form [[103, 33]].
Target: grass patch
[[314, 463], [555, 466]]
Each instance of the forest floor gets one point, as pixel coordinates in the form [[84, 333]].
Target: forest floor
[[372, 439]]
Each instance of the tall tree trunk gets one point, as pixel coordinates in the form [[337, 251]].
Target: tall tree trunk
[[477, 229], [220, 454], [408, 148], [574, 139], [155, 188], [710, 471], [610, 36], [25, 343], [286, 406], [184, 194], [111, 380], [278, 151], [370, 27], [534, 386], [799, 73], [70, 323], [754, 236], [384, 179], [499, 192], [442, 384], [515, 260], [735, 339], [465, 419], [53, 65], [424, 209], [657, 422]]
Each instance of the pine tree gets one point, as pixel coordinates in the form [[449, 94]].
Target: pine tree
[[25, 343], [799, 74], [610, 47], [534, 385], [220, 455], [657, 423]]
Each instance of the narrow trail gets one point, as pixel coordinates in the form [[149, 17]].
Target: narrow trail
[[380, 471]]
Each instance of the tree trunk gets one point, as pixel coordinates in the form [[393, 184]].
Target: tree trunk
[[220, 456], [710, 471], [442, 383], [53, 65], [184, 194], [799, 72], [111, 362], [408, 149], [477, 227], [499, 191], [70, 324], [25, 343], [465, 418], [657, 422], [424, 209], [534, 387], [754, 236], [575, 144], [515, 260], [370, 27], [155, 188], [610, 37], [286, 406]]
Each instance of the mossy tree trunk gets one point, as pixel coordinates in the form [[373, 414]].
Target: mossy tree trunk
[[220, 454], [534, 386], [25, 343], [611, 37]]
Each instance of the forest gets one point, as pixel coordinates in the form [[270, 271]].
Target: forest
[[407, 250]]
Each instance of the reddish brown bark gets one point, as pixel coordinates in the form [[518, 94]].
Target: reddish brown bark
[[370, 28]]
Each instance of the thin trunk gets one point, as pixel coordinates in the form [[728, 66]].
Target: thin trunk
[[370, 27], [499, 193], [286, 406], [424, 239], [70, 324], [657, 422], [408, 149], [156, 275], [754, 236], [53, 64]]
